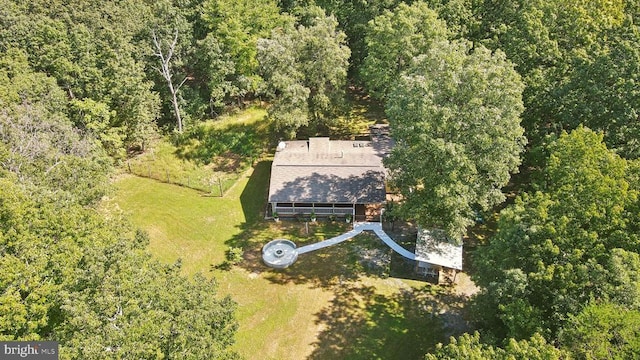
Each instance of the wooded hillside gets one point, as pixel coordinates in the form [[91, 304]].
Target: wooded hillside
[[540, 98]]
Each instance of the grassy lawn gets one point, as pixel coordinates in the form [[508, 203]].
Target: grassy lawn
[[182, 223], [335, 303], [329, 305], [208, 156]]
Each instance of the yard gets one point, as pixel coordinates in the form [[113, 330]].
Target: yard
[[330, 304], [335, 303]]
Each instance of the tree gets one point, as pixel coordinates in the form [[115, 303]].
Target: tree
[[353, 17], [90, 49], [234, 28], [285, 82], [393, 39], [43, 148], [68, 274], [218, 68], [603, 331], [578, 61], [470, 347], [623, 285], [455, 117], [305, 69], [239, 24], [172, 27], [563, 246], [165, 71], [94, 118], [602, 93], [459, 16]]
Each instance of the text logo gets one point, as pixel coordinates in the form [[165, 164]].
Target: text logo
[[32, 350]]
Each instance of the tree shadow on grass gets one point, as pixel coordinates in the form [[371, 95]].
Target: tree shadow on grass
[[335, 265], [204, 144], [322, 268], [361, 323]]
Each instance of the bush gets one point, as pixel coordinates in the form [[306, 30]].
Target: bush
[[234, 255]]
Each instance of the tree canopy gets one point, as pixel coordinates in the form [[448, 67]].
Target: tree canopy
[[455, 117], [577, 61], [393, 39], [564, 245], [469, 88], [306, 71], [603, 331], [470, 347], [43, 146]]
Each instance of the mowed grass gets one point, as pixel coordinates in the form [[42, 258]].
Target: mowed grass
[[329, 305], [277, 321], [326, 306], [182, 223], [209, 155]]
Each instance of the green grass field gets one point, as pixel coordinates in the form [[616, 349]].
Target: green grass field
[[330, 304], [325, 306], [209, 156]]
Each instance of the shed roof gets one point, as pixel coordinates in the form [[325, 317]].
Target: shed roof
[[321, 170], [434, 247]]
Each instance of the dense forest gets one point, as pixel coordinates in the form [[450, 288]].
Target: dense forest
[[540, 97]]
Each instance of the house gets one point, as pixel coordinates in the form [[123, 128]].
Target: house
[[437, 255], [347, 178], [330, 177]]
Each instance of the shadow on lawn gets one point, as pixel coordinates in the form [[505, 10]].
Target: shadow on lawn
[[237, 142], [321, 268], [363, 324], [359, 323], [333, 266]]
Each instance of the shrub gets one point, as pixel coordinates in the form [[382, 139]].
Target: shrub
[[234, 255]]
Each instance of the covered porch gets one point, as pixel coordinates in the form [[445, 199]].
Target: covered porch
[[358, 212]]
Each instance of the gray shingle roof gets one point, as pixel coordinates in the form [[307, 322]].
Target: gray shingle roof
[[328, 171]]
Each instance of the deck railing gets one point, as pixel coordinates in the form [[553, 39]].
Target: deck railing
[[320, 211]]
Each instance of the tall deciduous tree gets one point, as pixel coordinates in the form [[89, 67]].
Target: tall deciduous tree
[[459, 16], [564, 245], [305, 69], [165, 57], [603, 331], [471, 348], [579, 61], [234, 28], [455, 117], [393, 39], [90, 48], [353, 16], [603, 92], [43, 147]]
